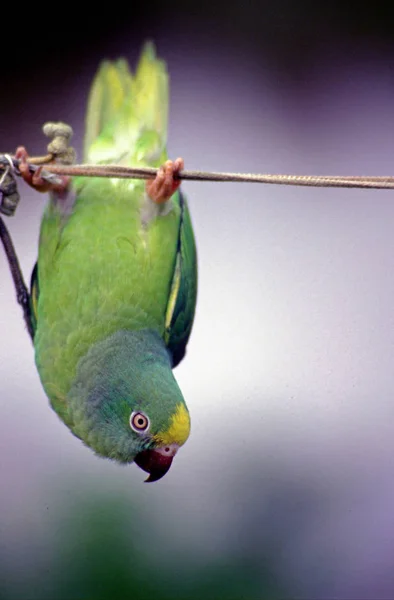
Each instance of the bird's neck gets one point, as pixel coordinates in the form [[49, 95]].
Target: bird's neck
[[123, 356]]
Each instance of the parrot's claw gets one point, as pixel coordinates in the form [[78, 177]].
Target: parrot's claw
[[161, 188], [35, 180]]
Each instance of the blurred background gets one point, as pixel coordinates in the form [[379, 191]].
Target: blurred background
[[285, 488]]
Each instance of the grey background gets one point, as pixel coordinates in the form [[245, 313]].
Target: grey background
[[288, 473]]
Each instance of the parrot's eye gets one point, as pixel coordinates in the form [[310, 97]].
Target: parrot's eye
[[139, 422]]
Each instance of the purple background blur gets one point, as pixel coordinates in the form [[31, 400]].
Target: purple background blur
[[289, 371]]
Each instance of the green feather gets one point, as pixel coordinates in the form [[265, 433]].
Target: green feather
[[109, 386], [183, 295], [116, 263], [127, 116]]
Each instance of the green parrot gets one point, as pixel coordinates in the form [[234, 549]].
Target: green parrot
[[113, 292]]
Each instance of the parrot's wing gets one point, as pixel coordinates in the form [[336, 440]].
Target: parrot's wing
[[50, 235], [34, 297], [182, 299]]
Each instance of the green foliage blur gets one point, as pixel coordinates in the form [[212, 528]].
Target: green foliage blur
[[104, 548]]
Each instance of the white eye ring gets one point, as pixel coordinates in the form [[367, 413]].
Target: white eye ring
[[139, 422]]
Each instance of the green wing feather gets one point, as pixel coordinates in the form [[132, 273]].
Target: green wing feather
[[50, 236], [182, 299], [34, 291]]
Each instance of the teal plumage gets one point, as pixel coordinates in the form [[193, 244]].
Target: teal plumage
[[116, 281]]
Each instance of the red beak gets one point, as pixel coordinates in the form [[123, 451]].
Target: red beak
[[154, 463]]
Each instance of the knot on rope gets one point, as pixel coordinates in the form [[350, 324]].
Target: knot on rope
[[60, 134], [9, 190]]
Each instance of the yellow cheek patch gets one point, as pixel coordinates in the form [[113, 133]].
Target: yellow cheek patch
[[179, 429]]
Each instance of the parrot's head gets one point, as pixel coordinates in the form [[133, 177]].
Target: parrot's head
[[126, 404]]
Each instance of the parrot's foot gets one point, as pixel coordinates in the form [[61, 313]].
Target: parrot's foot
[[161, 188], [34, 179]]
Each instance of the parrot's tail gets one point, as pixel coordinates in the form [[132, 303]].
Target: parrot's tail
[[126, 119]]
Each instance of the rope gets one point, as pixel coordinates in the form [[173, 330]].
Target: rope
[[50, 170]]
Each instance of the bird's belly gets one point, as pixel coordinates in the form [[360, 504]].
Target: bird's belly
[[111, 272]]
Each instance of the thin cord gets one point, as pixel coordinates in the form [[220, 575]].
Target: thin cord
[[50, 170], [22, 294], [301, 180]]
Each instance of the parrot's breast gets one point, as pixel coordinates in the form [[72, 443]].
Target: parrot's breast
[[106, 268]]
